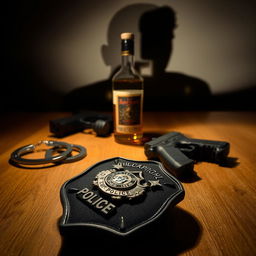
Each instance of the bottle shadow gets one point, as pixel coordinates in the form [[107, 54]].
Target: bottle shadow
[[176, 232], [154, 28]]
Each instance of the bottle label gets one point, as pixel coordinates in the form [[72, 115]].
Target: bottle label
[[128, 110]]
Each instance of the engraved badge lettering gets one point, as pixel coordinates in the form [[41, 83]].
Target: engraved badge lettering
[[96, 202], [105, 196], [119, 183]]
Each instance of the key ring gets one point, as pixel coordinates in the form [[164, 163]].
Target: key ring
[[16, 156], [80, 149]]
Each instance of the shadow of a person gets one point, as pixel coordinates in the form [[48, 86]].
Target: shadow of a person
[[167, 90], [98, 96], [163, 91]]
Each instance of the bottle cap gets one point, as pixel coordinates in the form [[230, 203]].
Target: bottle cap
[[127, 35]]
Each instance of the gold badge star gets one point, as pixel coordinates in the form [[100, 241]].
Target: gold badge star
[[154, 183], [118, 166]]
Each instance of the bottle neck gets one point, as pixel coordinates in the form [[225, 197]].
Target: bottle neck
[[127, 51], [127, 61]]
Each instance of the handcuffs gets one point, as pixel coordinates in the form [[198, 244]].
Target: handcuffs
[[63, 149]]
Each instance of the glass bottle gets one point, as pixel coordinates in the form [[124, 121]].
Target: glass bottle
[[128, 94]]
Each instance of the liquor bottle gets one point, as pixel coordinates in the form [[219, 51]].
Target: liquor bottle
[[127, 87]]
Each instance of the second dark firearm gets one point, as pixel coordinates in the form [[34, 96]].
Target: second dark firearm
[[178, 153], [101, 124]]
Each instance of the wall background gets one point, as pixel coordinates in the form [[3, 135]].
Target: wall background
[[50, 49]]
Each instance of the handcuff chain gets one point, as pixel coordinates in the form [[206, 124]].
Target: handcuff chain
[[40, 142], [64, 156]]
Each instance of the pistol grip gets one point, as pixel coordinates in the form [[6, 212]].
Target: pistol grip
[[174, 160]]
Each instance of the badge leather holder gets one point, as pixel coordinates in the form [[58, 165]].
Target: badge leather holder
[[117, 196]]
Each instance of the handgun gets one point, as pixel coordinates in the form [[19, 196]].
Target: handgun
[[102, 124], [178, 153]]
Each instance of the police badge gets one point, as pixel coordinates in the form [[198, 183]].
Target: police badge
[[106, 196]]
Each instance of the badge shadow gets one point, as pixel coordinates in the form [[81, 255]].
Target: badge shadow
[[175, 232]]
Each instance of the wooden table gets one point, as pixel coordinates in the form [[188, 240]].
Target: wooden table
[[216, 217]]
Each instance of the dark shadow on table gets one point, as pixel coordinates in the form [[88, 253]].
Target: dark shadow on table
[[176, 232]]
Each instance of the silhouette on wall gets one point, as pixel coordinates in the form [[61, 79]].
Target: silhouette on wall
[[154, 32], [166, 90]]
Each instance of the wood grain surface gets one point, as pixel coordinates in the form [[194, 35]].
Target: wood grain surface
[[216, 217]]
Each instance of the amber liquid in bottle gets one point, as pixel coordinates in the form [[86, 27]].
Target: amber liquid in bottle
[[128, 95], [128, 128]]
